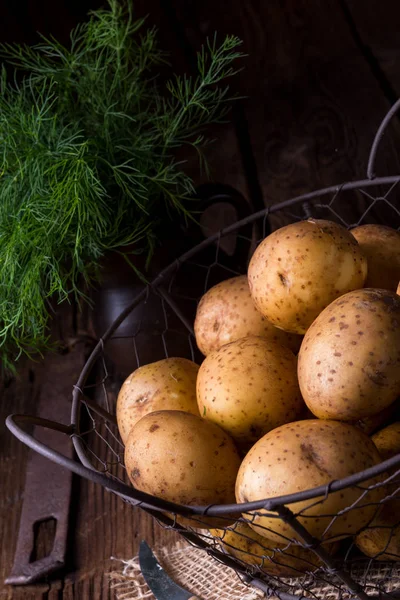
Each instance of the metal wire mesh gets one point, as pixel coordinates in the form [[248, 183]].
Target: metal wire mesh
[[287, 560], [295, 565]]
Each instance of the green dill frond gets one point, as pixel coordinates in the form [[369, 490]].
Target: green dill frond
[[87, 156]]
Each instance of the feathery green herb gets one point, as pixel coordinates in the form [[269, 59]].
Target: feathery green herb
[[87, 141]]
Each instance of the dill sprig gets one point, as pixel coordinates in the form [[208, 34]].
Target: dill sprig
[[87, 158]]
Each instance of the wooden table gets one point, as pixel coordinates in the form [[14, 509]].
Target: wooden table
[[319, 77]]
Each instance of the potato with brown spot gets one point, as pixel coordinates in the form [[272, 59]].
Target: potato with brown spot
[[301, 268], [227, 313], [303, 455], [180, 457], [381, 247], [349, 360], [168, 384], [248, 388], [283, 559]]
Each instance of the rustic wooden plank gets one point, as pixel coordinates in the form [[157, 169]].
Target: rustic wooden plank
[[223, 155], [51, 378], [17, 396], [21, 22], [375, 26], [314, 105]]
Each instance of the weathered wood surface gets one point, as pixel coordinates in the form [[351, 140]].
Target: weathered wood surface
[[314, 100]]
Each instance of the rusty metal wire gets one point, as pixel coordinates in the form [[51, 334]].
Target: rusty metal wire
[[330, 567], [296, 564]]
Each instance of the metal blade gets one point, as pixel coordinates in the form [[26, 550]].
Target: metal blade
[[157, 579]]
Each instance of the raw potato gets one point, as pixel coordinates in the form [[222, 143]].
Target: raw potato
[[387, 441], [284, 560], [349, 360], [302, 455], [227, 313], [381, 540], [248, 388], [381, 247], [301, 268], [168, 384], [182, 458], [370, 425]]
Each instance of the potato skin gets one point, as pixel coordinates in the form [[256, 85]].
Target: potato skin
[[283, 560], [306, 454], [381, 247], [387, 441], [381, 539], [248, 388], [227, 313], [182, 458], [168, 384], [299, 269], [348, 364]]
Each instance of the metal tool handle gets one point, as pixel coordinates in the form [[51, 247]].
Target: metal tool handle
[[46, 497]]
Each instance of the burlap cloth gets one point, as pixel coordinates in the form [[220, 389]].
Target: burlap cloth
[[191, 568], [202, 575]]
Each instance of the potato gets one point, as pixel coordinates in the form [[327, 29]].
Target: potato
[[387, 441], [168, 384], [398, 289], [381, 247], [349, 360], [381, 539], [248, 388], [284, 559], [302, 455], [371, 424], [227, 313], [182, 458], [299, 269]]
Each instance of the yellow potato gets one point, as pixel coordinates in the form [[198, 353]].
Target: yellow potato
[[286, 559], [182, 458], [227, 313], [381, 247], [302, 455], [248, 388], [381, 539], [299, 269], [387, 441], [349, 360], [168, 384]]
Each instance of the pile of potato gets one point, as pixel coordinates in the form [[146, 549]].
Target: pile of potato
[[302, 365]]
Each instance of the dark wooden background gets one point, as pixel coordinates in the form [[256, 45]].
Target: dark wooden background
[[319, 76]]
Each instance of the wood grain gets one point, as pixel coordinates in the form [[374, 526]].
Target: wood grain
[[313, 103], [376, 27]]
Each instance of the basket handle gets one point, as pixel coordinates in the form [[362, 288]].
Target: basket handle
[[129, 493], [378, 138]]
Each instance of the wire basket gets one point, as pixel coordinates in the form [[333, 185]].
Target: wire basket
[[300, 565]]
